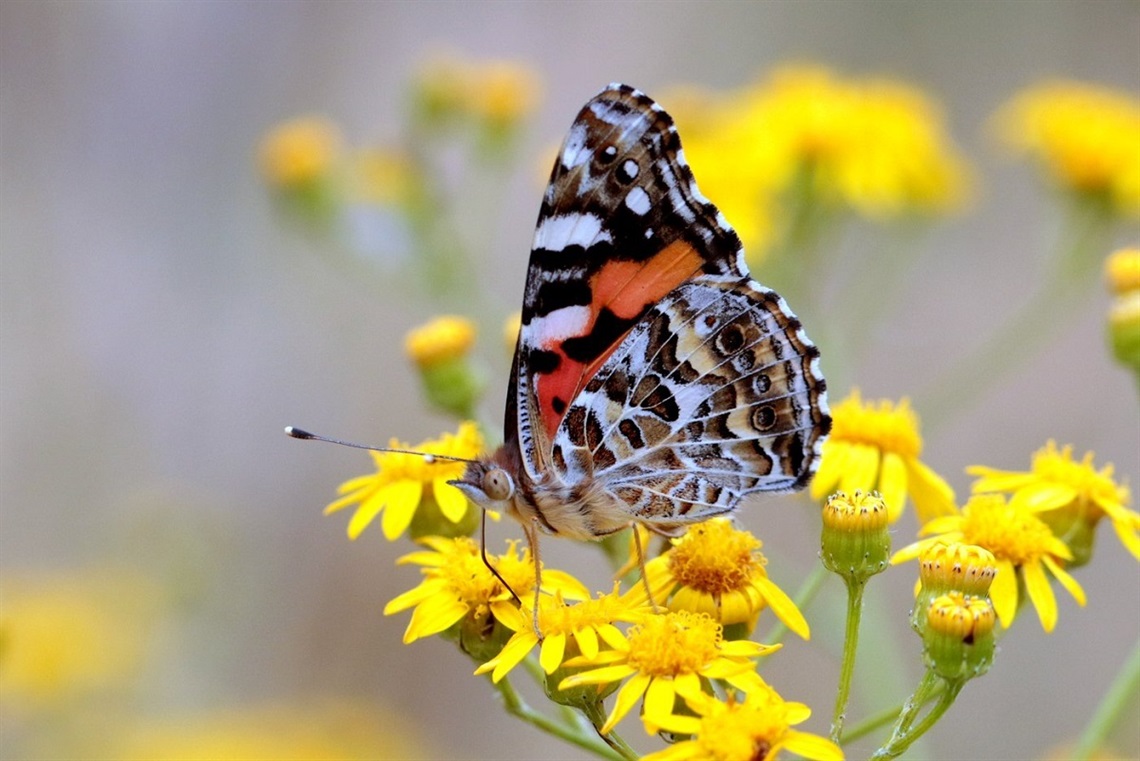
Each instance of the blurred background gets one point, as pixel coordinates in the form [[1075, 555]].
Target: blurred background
[[168, 578]]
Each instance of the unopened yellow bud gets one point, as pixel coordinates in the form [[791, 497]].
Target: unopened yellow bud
[[300, 152], [440, 349], [1122, 270], [856, 541], [959, 636]]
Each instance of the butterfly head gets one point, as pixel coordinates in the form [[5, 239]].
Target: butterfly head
[[486, 484]]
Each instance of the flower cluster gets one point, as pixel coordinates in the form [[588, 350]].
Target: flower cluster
[[672, 641]]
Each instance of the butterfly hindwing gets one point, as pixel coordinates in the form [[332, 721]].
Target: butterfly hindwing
[[622, 225], [715, 393]]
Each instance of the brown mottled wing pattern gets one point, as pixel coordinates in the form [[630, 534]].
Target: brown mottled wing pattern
[[716, 393], [621, 226]]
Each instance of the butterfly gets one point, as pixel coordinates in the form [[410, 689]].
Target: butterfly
[[654, 381]]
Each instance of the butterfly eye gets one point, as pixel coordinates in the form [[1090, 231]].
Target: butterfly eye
[[497, 484]]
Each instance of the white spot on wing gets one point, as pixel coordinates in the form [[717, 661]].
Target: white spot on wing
[[574, 149], [558, 232], [558, 325], [637, 200]]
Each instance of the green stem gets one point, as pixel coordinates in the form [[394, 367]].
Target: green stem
[[855, 589], [597, 717], [803, 598], [884, 717], [516, 706], [1123, 690], [904, 736]]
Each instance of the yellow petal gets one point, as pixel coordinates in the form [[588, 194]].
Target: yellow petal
[[688, 686], [992, 480], [1040, 594], [1128, 536], [604, 675], [550, 655], [627, 698], [587, 640], [403, 499], [433, 616], [931, 495], [659, 699], [513, 652], [783, 607], [411, 598], [1067, 581], [831, 467], [1039, 497], [1003, 592], [862, 469], [892, 485], [810, 746], [452, 502]]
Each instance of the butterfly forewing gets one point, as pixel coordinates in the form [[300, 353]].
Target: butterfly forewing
[[622, 224], [654, 380]]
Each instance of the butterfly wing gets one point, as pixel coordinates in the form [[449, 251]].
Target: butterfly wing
[[714, 394], [622, 224]]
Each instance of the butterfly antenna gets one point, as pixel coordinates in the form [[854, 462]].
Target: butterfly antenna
[[300, 433]]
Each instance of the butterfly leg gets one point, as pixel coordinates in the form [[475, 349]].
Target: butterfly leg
[[641, 566], [531, 531], [487, 561]]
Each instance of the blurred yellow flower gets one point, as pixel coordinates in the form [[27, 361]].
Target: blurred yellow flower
[[1024, 549], [403, 482], [298, 152], [1122, 270], [1056, 483], [498, 92], [718, 570], [874, 145], [875, 446], [67, 634], [384, 177], [1086, 137], [315, 731], [458, 584], [666, 656], [758, 727], [443, 338]]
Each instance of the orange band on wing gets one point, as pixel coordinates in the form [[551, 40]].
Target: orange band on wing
[[627, 288]]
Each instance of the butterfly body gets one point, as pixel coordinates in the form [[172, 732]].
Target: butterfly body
[[654, 381]]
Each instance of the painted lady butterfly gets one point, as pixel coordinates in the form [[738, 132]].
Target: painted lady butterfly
[[654, 381]]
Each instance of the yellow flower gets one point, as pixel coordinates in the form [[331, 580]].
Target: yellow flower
[[458, 584], [718, 570], [1068, 494], [444, 338], [300, 151], [499, 93], [384, 177], [404, 482], [1084, 136], [579, 626], [665, 656], [70, 634], [759, 728], [1022, 545], [875, 145], [875, 447], [1122, 269]]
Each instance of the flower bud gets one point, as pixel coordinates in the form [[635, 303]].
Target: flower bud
[[440, 349], [856, 542], [953, 567], [958, 637]]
